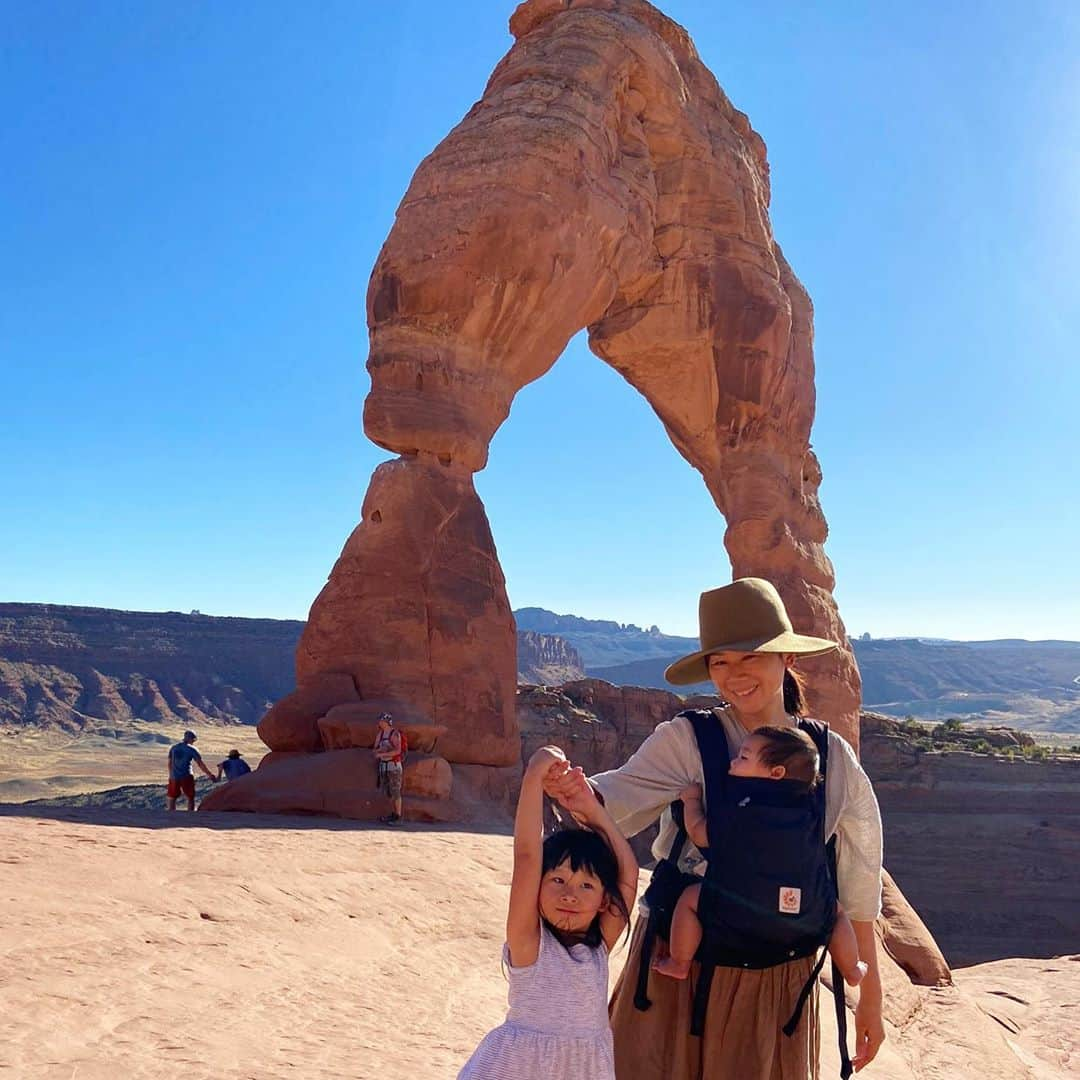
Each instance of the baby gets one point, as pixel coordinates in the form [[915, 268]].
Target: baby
[[770, 753]]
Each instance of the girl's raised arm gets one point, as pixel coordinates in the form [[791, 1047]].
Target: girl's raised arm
[[589, 810], [523, 916]]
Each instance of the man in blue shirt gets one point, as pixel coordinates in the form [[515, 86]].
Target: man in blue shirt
[[181, 779]]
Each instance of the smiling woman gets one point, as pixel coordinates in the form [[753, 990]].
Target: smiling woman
[[757, 1020]]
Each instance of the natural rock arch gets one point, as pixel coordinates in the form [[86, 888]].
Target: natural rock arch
[[603, 181]]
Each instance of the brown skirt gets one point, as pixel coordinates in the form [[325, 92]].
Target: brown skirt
[[742, 1040]]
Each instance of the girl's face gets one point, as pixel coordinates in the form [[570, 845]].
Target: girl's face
[[752, 682], [570, 899]]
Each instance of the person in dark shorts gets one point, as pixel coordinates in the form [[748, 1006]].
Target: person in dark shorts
[[233, 766], [181, 779], [389, 752]]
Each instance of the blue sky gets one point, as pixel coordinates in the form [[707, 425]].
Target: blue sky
[[192, 198]]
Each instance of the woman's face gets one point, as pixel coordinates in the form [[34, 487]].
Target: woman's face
[[751, 682]]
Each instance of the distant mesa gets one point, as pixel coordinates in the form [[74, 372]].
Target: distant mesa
[[105, 671]]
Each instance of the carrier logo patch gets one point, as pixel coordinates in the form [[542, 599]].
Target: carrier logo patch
[[790, 900]]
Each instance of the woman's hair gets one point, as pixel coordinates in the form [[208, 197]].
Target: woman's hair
[[794, 693], [586, 850], [792, 748]]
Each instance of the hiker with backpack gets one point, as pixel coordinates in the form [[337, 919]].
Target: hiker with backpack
[[770, 753], [779, 860], [389, 750]]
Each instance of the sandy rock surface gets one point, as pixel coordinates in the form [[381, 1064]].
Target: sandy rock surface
[[234, 946]]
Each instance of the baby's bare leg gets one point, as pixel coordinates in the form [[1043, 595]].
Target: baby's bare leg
[[685, 936], [844, 949]]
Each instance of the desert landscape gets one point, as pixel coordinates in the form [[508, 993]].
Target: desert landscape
[[603, 190]]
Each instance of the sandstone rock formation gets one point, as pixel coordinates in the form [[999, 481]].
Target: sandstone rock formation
[[604, 180], [81, 669], [546, 659], [986, 848]]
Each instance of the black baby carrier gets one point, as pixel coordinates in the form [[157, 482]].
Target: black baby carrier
[[769, 892]]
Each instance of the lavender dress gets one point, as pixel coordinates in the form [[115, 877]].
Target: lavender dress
[[557, 1024]]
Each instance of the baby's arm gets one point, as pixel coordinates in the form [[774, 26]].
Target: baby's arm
[[522, 917], [694, 815]]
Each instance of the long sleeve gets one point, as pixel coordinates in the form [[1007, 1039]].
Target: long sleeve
[[666, 762], [858, 833]]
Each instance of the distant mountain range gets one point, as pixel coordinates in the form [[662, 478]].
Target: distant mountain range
[[78, 668]]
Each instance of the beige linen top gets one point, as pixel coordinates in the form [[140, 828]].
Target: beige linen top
[[669, 759]]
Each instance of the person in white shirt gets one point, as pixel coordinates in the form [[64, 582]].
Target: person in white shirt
[[748, 650]]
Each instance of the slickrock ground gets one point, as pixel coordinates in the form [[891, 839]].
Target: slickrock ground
[[246, 948]]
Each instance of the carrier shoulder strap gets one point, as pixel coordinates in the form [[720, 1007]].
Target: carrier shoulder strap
[[818, 730], [713, 747]]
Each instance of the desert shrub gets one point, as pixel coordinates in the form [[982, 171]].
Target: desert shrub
[[911, 726]]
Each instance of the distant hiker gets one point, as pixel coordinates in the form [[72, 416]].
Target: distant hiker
[[570, 898], [389, 750], [233, 766], [733, 1016], [181, 779], [770, 753]]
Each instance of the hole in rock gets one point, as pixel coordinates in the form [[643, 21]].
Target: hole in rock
[[592, 509]]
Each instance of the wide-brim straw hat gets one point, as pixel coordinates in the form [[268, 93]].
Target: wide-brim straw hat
[[745, 616]]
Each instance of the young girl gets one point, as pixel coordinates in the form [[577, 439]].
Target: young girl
[[570, 899], [770, 753]]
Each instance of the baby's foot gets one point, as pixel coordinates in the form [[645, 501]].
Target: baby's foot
[[855, 976], [671, 967]]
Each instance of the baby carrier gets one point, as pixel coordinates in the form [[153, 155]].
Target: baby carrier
[[769, 892]]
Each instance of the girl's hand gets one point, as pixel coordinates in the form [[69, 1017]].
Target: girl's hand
[[691, 791], [577, 796], [544, 760]]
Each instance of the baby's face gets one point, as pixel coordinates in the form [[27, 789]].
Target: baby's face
[[748, 763]]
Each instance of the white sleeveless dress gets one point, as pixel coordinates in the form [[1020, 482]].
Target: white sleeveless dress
[[557, 1025]]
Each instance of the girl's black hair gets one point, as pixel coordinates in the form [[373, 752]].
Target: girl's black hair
[[792, 748], [794, 693], [586, 850]]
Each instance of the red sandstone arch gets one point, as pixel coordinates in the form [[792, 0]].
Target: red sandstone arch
[[604, 181]]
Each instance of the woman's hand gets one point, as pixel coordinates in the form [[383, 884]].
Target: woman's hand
[[691, 791], [869, 1030], [572, 792]]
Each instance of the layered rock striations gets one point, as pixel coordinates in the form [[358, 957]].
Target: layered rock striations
[[547, 659], [986, 846], [603, 181], [100, 670]]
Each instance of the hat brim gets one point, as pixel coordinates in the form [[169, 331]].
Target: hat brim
[[694, 668]]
